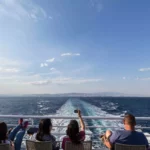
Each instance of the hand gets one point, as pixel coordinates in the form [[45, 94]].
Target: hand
[[12, 144], [101, 136], [79, 113]]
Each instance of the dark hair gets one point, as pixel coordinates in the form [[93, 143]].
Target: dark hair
[[130, 119], [44, 129], [3, 131], [73, 131]]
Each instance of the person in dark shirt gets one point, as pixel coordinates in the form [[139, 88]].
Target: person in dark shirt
[[44, 133], [127, 136]]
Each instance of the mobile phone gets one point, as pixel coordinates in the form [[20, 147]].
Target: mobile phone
[[76, 111]]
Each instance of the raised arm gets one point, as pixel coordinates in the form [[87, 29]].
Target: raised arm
[[81, 121]]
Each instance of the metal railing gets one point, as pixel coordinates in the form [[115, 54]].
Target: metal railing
[[70, 117], [31, 117]]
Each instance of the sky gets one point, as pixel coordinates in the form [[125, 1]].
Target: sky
[[63, 46]]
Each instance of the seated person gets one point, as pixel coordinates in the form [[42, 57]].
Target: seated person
[[73, 133], [17, 133], [127, 136], [44, 133]]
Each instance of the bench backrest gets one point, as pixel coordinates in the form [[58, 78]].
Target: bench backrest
[[129, 147], [5, 147], [87, 145], [34, 145]]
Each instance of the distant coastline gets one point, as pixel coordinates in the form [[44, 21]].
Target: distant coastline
[[101, 94]]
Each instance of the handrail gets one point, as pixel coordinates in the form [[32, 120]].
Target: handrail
[[70, 117], [86, 126]]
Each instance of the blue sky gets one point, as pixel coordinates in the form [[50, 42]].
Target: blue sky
[[62, 46]]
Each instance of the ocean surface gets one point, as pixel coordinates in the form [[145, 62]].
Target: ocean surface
[[99, 106]]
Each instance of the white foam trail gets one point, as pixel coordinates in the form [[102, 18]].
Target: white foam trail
[[90, 110], [96, 111], [87, 109]]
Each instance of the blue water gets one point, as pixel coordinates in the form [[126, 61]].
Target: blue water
[[101, 106]]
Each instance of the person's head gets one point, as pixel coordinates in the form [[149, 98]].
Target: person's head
[[3, 131], [129, 121], [73, 131], [45, 127]]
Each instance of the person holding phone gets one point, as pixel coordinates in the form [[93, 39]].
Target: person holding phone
[[74, 133]]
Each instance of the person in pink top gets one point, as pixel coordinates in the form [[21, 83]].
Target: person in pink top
[[74, 133]]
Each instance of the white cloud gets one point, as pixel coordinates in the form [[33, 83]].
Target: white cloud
[[66, 54], [148, 78], [9, 62], [124, 78], [52, 69], [50, 60], [77, 54], [22, 77], [97, 5], [48, 73], [9, 70], [43, 65], [64, 81], [79, 81], [144, 69], [44, 82], [50, 17], [23, 9], [7, 77], [55, 72], [70, 54]]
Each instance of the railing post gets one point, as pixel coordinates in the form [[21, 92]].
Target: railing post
[[32, 122]]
